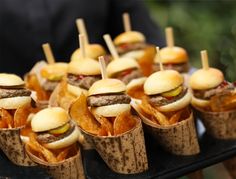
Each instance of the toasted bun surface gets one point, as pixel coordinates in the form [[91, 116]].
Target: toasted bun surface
[[92, 51], [14, 102], [49, 118], [86, 66], [111, 110], [199, 102], [8, 80], [54, 71], [162, 81], [108, 85], [121, 64], [173, 55], [177, 105], [135, 54], [205, 79], [75, 90], [129, 37], [64, 142]]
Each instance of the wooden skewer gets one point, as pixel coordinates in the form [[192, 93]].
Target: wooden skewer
[[103, 67], [126, 22], [169, 37], [82, 45], [48, 53], [82, 29], [159, 58], [204, 57], [111, 46]]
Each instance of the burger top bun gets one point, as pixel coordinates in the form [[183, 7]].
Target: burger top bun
[[85, 66], [129, 37], [10, 80], [92, 51], [56, 70], [49, 118], [205, 79], [162, 81], [120, 65], [106, 86], [173, 55]]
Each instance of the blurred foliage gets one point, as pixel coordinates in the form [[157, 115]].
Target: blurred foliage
[[200, 25]]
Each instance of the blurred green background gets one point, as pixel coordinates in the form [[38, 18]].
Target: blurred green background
[[199, 25]]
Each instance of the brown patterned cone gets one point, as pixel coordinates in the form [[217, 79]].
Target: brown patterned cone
[[71, 168], [125, 153], [179, 139], [230, 165], [221, 125], [13, 147]]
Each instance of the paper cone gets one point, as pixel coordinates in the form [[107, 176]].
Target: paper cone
[[230, 165], [13, 147], [221, 125], [71, 168], [125, 153]]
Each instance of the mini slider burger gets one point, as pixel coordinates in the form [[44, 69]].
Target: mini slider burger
[[166, 91], [107, 98], [173, 57], [13, 93], [56, 133]]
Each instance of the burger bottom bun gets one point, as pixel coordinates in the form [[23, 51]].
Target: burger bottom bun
[[14, 102], [110, 110], [177, 105], [199, 102], [64, 142], [75, 90]]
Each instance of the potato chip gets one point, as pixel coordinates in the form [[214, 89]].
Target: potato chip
[[136, 92], [63, 154], [106, 125], [7, 117], [176, 117], [223, 101], [123, 123], [80, 113], [34, 145], [147, 108]]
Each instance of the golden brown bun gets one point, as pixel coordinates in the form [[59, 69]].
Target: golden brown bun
[[108, 85], [177, 105], [110, 110], [135, 54], [76, 90], [205, 79], [173, 55], [14, 102], [162, 81], [10, 80], [49, 118], [129, 37], [86, 66], [121, 64], [199, 102], [92, 51], [54, 71], [64, 142]]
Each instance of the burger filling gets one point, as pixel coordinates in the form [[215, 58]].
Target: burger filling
[[127, 75], [82, 81], [56, 134], [127, 47], [11, 92], [108, 99], [207, 94], [181, 67], [168, 97]]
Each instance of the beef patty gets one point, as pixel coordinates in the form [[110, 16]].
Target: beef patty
[[12, 92]]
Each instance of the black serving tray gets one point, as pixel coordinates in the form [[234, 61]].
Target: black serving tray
[[161, 163]]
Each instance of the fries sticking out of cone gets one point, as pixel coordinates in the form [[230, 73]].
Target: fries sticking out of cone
[[106, 117], [132, 44], [173, 57], [214, 100], [92, 50], [165, 111], [53, 145]]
